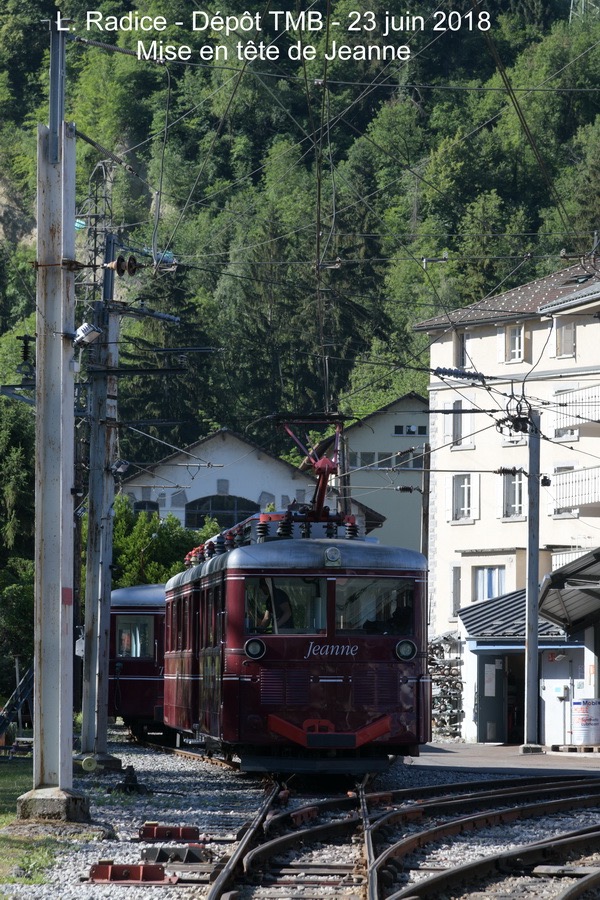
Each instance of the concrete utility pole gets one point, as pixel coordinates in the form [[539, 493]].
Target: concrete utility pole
[[52, 796], [532, 592], [103, 416]]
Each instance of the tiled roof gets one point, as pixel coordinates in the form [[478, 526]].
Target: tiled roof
[[527, 299]]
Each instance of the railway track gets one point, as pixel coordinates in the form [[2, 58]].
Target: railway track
[[406, 839], [379, 845]]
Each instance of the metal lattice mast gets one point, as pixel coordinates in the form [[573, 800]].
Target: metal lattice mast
[[581, 9]]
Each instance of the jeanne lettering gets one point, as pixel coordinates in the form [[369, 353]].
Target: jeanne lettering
[[331, 650]]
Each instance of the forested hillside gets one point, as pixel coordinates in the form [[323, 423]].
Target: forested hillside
[[315, 208]]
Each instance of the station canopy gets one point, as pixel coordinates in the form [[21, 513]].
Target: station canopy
[[570, 596]]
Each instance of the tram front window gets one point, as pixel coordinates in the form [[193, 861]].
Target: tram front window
[[374, 606], [285, 605]]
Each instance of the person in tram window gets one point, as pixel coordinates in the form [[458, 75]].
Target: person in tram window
[[276, 600]]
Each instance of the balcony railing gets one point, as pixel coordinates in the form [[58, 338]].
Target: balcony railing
[[567, 556], [579, 487], [580, 406]]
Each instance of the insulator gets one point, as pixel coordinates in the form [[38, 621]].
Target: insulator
[[331, 530], [229, 540], [209, 550], [220, 544], [195, 556], [305, 529], [262, 530], [238, 538], [351, 530], [118, 265], [284, 529]]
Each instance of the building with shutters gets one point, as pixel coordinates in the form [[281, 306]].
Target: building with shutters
[[533, 347]]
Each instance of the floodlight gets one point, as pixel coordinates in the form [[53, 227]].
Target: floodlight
[[86, 334], [119, 467]]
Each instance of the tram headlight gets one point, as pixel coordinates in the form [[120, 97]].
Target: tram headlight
[[255, 648], [406, 650]]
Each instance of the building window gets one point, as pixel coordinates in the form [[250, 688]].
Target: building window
[[410, 430], [461, 497], [565, 338], [403, 460], [513, 490], [134, 636], [462, 359], [228, 511], [368, 459], [458, 425], [488, 581], [515, 343]]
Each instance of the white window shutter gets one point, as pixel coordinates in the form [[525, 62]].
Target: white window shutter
[[449, 498], [527, 341], [448, 422], [499, 496], [501, 345], [552, 340], [467, 428], [475, 495]]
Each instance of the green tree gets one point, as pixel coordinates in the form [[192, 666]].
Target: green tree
[[16, 480], [148, 549]]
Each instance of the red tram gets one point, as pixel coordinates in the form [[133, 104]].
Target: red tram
[[299, 653], [136, 659]]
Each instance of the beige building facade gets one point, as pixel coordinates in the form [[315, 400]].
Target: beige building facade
[[534, 349]]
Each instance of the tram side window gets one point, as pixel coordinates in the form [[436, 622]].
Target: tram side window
[[375, 605], [218, 616], [135, 636], [210, 618], [178, 612], [187, 643], [168, 629], [284, 605]]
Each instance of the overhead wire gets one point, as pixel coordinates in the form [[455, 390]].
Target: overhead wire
[[221, 121]]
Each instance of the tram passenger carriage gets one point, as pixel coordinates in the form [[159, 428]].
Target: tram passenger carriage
[[136, 659], [336, 682]]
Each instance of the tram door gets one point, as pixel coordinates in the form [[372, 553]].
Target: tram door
[[491, 700]]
